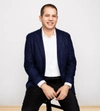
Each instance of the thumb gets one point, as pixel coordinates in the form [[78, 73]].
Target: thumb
[[58, 92]]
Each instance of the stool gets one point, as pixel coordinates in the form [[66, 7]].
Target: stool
[[49, 105]]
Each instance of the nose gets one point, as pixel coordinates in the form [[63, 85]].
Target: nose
[[50, 18]]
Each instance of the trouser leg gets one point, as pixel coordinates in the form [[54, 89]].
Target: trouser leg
[[33, 99], [70, 102]]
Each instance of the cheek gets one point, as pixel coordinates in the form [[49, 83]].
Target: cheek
[[55, 20], [44, 20]]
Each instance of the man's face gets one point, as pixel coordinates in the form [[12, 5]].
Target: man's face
[[49, 18]]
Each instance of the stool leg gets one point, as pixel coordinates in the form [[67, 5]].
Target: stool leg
[[48, 106]]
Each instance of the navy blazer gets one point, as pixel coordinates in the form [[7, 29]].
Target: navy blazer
[[34, 61]]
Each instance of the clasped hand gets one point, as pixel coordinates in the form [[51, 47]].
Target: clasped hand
[[50, 93]]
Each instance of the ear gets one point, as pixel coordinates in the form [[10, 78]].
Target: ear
[[40, 18]]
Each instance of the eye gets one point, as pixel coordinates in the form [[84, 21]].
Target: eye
[[54, 16], [47, 15]]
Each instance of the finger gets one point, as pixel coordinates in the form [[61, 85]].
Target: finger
[[58, 91], [51, 97], [60, 97], [48, 98], [54, 94]]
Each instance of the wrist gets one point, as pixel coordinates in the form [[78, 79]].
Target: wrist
[[67, 86], [41, 82], [43, 85]]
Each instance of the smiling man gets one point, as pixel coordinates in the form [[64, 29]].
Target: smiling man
[[48, 19], [50, 64]]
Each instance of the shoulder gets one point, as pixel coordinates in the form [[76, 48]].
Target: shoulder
[[34, 33], [62, 33]]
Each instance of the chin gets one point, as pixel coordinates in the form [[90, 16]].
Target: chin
[[50, 28]]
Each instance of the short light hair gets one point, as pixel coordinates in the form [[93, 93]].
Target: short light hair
[[47, 5]]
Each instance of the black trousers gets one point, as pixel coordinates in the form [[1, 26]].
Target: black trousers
[[34, 97]]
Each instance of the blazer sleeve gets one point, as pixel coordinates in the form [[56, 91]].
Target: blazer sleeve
[[29, 62], [71, 62]]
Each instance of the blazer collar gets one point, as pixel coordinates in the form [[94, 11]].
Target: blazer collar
[[41, 46], [59, 46], [40, 42]]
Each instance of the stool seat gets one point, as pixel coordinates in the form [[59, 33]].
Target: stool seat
[[49, 105]]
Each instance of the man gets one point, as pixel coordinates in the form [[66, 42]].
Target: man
[[50, 64]]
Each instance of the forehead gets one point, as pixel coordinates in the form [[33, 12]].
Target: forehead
[[50, 10]]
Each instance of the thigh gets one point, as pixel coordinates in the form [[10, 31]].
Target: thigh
[[34, 97], [70, 102]]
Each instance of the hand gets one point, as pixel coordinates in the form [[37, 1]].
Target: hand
[[62, 92], [48, 91]]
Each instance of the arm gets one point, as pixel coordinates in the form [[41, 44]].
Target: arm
[[71, 63], [70, 72], [32, 71], [29, 61]]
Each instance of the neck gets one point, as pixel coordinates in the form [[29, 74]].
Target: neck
[[48, 32]]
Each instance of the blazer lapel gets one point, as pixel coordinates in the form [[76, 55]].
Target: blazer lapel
[[40, 43], [59, 46], [41, 46]]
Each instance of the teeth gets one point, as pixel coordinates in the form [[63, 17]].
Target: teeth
[[50, 23]]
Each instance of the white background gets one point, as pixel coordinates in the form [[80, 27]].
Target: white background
[[81, 18]]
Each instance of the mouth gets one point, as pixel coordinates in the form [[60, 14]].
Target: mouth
[[50, 23]]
